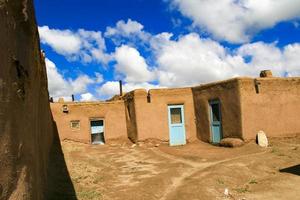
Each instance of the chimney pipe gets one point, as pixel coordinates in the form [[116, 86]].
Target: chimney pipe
[[73, 99], [120, 84]]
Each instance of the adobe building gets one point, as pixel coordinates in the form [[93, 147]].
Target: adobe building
[[238, 107], [164, 114], [241, 107], [90, 122]]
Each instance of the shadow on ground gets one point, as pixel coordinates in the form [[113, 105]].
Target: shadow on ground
[[60, 185], [292, 170]]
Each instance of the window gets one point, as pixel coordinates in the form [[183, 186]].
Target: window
[[65, 109], [75, 124], [215, 112], [176, 116]]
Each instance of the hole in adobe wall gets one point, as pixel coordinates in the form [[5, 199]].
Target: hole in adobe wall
[[148, 98], [22, 75], [1, 190]]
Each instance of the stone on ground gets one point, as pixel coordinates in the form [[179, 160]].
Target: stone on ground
[[262, 139], [231, 142]]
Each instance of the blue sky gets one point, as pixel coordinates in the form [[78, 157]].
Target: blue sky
[[92, 44]]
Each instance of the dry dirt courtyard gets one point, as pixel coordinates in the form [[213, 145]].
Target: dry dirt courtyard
[[152, 170]]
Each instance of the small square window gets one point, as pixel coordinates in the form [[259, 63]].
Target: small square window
[[75, 124]]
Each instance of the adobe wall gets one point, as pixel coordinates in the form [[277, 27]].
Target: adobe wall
[[130, 116], [152, 112], [228, 94], [26, 126], [113, 114], [274, 109]]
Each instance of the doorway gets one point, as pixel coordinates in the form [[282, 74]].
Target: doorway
[[176, 125], [215, 121], [97, 131]]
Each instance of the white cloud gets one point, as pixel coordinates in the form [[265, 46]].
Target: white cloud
[[131, 30], [99, 77], [192, 60], [87, 97], [82, 45], [80, 84], [58, 86], [184, 61], [132, 65], [126, 29], [237, 20], [111, 88]]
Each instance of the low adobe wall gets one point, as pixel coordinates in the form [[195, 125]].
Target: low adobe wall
[[273, 106], [151, 112], [113, 114], [228, 94]]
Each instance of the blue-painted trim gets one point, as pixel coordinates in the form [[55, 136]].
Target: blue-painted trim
[[181, 124], [213, 102]]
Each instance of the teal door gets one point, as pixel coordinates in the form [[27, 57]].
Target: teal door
[[176, 125], [215, 121]]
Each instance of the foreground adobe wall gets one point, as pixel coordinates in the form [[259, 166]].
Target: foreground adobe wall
[[152, 112], [228, 94], [113, 114], [274, 109], [26, 127]]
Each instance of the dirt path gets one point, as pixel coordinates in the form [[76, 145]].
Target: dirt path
[[195, 171], [195, 168]]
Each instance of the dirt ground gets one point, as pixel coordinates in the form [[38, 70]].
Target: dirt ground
[[153, 170]]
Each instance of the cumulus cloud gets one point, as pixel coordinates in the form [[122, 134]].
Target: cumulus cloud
[[124, 28], [131, 30], [111, 88], [87, 97], [237, 20], [85, 46], [186, 60], [132, 65], [192, 60], [59, 86]]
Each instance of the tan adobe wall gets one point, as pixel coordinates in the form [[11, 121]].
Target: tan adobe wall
[[228, 94], [130, 116], [113, 114], [275, 109], [26, 126], [152, 112]]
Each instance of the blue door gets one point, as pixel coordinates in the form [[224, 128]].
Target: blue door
[[176, 125], [215, 121], [97, 132]]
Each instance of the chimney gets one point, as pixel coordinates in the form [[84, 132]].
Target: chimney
[[61, 100], [121, 91], [73, 98], [266, 74]]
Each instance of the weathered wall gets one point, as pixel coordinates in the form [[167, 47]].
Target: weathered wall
[[274, 109], [113, 114], [228, 94], [152, 112], [130, 116], [25, 119]]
